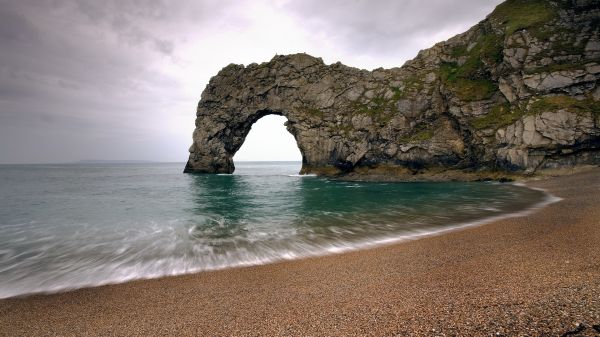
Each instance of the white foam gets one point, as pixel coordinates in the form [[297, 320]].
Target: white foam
[[132, 269]]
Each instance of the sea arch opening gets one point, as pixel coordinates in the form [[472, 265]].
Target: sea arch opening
[[268, 141]]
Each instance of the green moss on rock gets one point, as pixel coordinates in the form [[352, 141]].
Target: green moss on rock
[[505, 114], [474, 90], [562, 102], [413, 83], [470, 80], [459, 79], [317, 113], [532, 15], [497, 117], [372, 110], [398, 94], [344, 129], [422, 136], [491, 47], [562, 65], [421, 133], [379, 108]]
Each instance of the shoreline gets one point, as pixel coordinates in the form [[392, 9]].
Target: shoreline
[[334, 248], [497, 278]]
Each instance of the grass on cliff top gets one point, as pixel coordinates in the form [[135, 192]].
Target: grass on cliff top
[[524, 14], [488, 47], [471, 80]]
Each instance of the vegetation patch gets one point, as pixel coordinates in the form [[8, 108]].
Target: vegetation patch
[[471, 81], [474, 90], [497, 117], [555, 67], [423, 132], [562, 65], [398, 94], [525, 14], [421, 136], [562, 102], [373, 110], [379, 108], [449, 71], [465, 83], [413, 83], [505, 114], [458, 51], [567, 43], [345, 128], [317, 113], [489, 47]]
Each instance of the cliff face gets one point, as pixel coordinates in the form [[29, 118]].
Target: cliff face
[[517, 92]]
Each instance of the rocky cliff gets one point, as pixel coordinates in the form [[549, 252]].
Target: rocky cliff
[[518, 92]]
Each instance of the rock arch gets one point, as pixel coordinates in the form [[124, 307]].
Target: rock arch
[[490, 99], [232, 138], [320, 103]]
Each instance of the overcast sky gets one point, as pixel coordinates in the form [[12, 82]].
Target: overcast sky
[[121, 79]]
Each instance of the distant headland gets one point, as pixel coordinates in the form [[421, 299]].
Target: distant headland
[[116, 161]]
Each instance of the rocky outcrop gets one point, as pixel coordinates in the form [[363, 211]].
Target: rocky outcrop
[[517, 92]]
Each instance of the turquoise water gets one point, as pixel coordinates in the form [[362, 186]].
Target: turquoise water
[[72, 226]]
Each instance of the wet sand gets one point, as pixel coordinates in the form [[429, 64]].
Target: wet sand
[[532, 275]]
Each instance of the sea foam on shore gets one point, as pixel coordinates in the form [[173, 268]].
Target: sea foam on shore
[[73, 226]]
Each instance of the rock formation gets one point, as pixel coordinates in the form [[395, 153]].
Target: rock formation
[[515, 93]]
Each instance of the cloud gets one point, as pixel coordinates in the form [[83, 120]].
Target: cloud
[[120, 79], [388, 30], [88, 72]]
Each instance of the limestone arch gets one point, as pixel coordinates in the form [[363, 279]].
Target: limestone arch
[[239, 96], [342, 118]]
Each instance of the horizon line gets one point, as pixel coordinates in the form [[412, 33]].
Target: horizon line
[[127, 161]]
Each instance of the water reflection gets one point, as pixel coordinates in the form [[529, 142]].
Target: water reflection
[[281, 210]]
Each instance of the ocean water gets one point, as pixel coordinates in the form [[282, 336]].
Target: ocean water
[[78, 225]]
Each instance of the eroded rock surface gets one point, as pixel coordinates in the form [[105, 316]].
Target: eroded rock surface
[[517, 92]]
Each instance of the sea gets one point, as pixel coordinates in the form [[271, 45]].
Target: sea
[[68, 226]]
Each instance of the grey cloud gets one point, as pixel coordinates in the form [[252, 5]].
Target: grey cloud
[[14, 27], [76, 81], [133, 22], [385, 26], [147, 21], [79, 71], [164, 46]]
